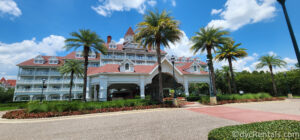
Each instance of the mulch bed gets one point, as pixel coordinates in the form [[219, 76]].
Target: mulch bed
[[22, 114], [250, 100]]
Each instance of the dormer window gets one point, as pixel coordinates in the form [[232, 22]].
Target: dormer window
[[39, 60], [112, 45], [53, 60], [195, 68], [127, 67]]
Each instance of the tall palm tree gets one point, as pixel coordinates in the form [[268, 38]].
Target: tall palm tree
[[226, 70], [158, 29], [229, 52], [208, 39], [72, 67], [271, 61], [90, 42]]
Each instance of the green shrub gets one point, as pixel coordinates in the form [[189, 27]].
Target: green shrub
[[204, 99], [193, 98], [267, 130], [223, 97], [63, 106]]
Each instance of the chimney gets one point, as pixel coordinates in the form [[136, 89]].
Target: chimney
[[108, 39]]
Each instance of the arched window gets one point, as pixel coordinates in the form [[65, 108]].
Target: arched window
[[126, 66], [195, 68]]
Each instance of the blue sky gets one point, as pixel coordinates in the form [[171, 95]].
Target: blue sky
[[31, 27]]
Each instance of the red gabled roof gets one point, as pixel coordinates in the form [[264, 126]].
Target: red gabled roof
[[129, 32], [72, 55], [186, 65], [11, 82], [30, 62], [3, 80], [115, 68]]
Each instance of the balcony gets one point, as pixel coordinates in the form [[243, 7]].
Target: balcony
[[55, 73], [27, 73], [30, 89], [107, 57], [53, 81], [41, 73]]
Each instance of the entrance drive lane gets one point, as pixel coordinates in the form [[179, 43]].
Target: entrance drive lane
[[167, 124]]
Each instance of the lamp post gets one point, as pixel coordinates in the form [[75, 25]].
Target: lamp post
[[41, 98], [210, 83], [288, 87], [173, 63], [282, 3]]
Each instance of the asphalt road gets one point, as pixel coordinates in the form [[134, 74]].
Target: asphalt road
[[154, 124]]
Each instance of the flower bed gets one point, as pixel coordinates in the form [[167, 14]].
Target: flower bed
[[23, 114]]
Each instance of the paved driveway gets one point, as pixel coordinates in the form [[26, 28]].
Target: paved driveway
[[147, 124]]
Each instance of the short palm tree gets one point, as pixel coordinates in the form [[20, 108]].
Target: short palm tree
[[271, 61], [72, 67], [158, 29], [229, 52], [90, 42], [226, 70], [208, 39]]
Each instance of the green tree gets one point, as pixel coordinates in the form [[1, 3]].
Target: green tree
[[297, 66], [208, 39], [90, 42], [271, 61], [72, 67], [158, 29], [229, 52], [226, 71]]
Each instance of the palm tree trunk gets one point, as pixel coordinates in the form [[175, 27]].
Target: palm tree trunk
[[71, 85], [86, 59], [229, 84], [273, 80], [232, 76], [160, 86], [212, 73]]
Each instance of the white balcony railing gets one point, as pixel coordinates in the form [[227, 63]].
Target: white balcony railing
[[41, 73]]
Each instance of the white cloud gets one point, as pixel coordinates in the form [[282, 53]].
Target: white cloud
[[14, 53], [181, 48], [249, 64], [121, 41], [152, 3], [238, 13], [173, 3], [216, 11], [9, 7], [107, 7]]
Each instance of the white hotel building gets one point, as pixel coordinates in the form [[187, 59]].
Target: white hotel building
[[127, 70]]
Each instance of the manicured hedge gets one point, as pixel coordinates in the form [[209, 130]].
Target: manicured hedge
[[63, 106], [280, 129], [221, 97], [12, 106]]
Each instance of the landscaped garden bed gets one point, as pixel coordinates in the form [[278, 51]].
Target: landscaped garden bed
[[64, 108], [279, 129], [237, 98]]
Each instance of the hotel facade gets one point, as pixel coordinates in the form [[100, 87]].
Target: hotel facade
[[126, 71]]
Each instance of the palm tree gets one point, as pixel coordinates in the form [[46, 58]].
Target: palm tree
[[72, 67], [158, 29], [208, 39], [226, 70], [90, 42], [229, 52], [271, 61]]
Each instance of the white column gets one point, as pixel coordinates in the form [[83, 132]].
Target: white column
[[87, 96], [186, 86], [31, 97], [142, 87], [46, 97], [61, 97], [103, 88], [95, 93]]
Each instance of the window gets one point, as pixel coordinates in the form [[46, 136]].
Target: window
[[195, 68], [126, 66]]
